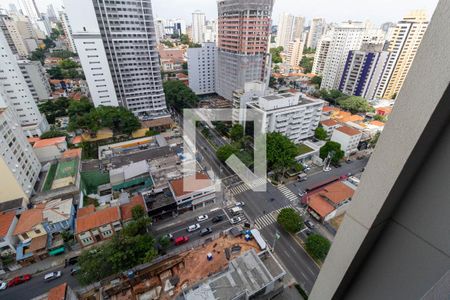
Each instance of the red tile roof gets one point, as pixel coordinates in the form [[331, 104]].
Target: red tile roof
[[320, 205], [28, 220], [58, 292], [329, 123], [126, 209], [348, 130], [49, 142], [76, 140], [72, 153], [329, 108], [337, 192], [38, 243], [33, 140], [97, 219], [84, 211], [377, 123], [6, 219], [192, 184]]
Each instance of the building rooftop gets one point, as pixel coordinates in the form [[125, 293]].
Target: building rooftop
[[195, 182], [320, 205], [329, 123], [6, 219], [348, 130], [28, 220], [38, 243], [97, 219], [58, 292], [57, 211], [377, 123], [84, 211], [42, 143], [126, 209], [337, 192], [72, 153]]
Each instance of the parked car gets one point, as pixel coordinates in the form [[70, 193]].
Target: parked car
[[181, 240], [193, 228], [236, 210], [202, 218], [205, 231], [240, 203], [52, 276], [169, 236], [75, 270], [217, 219], [235, 220], [19, 279], [309, 224], [72, 260], [302, 177], [3, 285]]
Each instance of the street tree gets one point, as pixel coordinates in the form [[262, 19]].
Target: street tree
[[335, 149], [321, 133], [276, 55], [290, 220], [281, 153], [237, 132], [179, 96], [355, 104], [52, 134], [317, 80], [317, 246], [224, 152]]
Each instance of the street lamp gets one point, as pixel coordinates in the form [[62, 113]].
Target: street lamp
[[275, 238]]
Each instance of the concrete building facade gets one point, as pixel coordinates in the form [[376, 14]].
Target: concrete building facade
[[344, 37], [198, 27], [290, 28], [323, 47], [202, 67], [403, 47], [317, 29], [295, 52], [243, 49], [67, 31], [348, 137], [120, 60], [12, 34], [36, 78]]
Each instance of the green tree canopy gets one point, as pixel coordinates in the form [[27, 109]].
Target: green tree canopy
[[226, 151], [55, 73], [276, 55], [68, 64], [307, 63], [333, 147], [221, 127], [355, 104], [168, 43], [317, 246], [380, 118], [52, 134], [54, 108], [38, 55], [373, 142], [316, 80], [179, 96], [237, 132], [290, 220], [321, 133], [55, 34], [281, 152], [49, 43], [63, 54]]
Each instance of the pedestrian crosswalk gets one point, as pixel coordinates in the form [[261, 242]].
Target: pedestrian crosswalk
[[288, 193], [269, 218], [243, 187]]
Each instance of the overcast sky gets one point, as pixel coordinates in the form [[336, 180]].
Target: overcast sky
[[378, 11]]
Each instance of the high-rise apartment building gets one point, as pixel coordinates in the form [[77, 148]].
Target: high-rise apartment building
[[393, 241], [30, 9], [160, 29], [19, 166], [404, 43], [51, 14], [344, 37], [198, 27], [67, 31], [12, 35], [295, 52], [243, 41], [36, 78], [363, 71], [17, 94], [211, 31], [290, 28], [317, 29], [119, 59], [202, 67], [323, 47]]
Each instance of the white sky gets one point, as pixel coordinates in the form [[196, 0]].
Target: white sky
[[378, 11]]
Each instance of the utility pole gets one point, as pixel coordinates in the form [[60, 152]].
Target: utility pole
[[275, 238]]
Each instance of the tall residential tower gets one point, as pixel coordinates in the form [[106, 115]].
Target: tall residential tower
[[316, 31], [119, 57], [244, 29], [290, 29]]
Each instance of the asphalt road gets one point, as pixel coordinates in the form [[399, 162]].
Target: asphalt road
[[37, 286]]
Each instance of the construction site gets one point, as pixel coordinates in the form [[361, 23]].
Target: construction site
[[171, 276]]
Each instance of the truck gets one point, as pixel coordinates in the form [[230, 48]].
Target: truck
[[236, 210], [302, 177]]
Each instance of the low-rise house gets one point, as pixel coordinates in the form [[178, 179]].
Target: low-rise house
[[126, 210], [329, 126], [95, 225], [50, 149], [331, 201], [8, 241], [60, 292], [193, 191], [58, 216], [348, 137]]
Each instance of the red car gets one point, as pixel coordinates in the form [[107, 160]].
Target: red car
[[181, 240], [19, 279]]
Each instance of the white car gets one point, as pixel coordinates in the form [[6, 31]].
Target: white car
[[3, 285], [240, 204], [202, 218], [53, 275], [193, 228], [235, 220]]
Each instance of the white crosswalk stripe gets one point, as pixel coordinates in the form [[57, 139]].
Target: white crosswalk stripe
[[243, 187], [288, 193], [269, 218]]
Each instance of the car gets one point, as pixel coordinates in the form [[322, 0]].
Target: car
[[309, 224], [193, 228], [52, 276], [75, 270], [202, 218], [72, 260], [181, 240], [205, 231], [218, 219], [169, 236], [240, 203], [3, 285], [19, 279], [235, 220], [301, 193]]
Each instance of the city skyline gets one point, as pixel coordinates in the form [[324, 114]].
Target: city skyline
[[372, 10]]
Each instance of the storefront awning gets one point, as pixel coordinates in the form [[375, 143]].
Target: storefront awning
[[56, 251]]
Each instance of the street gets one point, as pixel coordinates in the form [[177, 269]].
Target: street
[[37, 286]]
